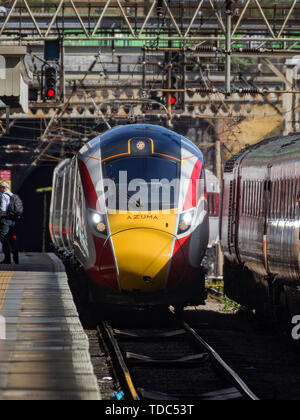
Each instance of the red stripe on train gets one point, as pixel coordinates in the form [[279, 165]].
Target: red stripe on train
[[104, 272], [88, 186], [192, 196]]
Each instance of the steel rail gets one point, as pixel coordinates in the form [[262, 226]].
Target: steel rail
[[239, 383], [114, 347]]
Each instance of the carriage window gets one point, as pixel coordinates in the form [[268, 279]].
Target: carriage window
[[278, 194], [295, 198], [297, 206]]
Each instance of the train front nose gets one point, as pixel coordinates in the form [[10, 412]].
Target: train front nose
[[143, 259]]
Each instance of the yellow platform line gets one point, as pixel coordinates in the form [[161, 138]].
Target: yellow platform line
[[5, 278]]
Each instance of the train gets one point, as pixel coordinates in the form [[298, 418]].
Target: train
[[129, 211], [259, 227]]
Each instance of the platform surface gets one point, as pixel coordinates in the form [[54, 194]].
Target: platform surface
[[44, 352]]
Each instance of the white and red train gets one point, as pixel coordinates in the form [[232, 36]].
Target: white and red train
[[134, 249]]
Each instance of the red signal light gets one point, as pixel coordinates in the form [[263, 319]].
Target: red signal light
[[50, 93], [172, 100]]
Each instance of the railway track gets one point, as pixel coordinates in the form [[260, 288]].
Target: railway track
[[170, 363]]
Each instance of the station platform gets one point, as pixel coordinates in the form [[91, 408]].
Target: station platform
[[44, 351]]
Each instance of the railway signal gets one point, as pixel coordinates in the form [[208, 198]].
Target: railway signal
[[50, 83], [172, 100]]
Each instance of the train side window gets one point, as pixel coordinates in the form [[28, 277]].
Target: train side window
[[278, 195], [289, 200], [297, 205], [271, 206], [256, 198], [261, 198], [247, 198], [274, 200], [294, 198], [244, 198], [251, 198], [277, 199], [283, 199]]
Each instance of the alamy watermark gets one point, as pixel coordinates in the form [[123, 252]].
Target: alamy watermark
[[142, 195], [2, 328], [296, 329]]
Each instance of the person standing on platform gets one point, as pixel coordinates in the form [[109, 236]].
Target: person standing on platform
[[11, 208]]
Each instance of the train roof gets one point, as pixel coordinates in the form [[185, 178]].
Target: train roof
[[268, 148], [166, 142]]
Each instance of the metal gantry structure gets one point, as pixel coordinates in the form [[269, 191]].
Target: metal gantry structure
[[188, 22], [124, 59]]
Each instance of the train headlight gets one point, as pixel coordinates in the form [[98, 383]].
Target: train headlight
[[96, 218], [185, 221], [101, 227], [99, 222]]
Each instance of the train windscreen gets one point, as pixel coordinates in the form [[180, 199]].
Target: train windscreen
[[141, 183]]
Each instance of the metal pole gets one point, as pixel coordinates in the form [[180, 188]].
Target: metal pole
[[184, 85], [169, 86], [62, 71], [219, 174], [144, 69], [228, 46]]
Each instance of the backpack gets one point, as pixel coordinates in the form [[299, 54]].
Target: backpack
[[15, 207]]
